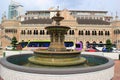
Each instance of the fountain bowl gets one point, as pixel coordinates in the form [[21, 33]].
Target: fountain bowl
[[13, 66]]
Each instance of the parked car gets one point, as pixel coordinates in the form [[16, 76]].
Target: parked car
[[9, 48]]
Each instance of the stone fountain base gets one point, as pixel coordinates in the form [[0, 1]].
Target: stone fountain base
[[59, 58]]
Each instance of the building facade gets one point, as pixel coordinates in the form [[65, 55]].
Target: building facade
[[86, 26]]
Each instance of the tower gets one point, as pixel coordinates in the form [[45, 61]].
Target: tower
[[15, 9]]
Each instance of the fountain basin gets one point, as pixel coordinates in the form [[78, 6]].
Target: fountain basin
[[12, 66], [57, 58]]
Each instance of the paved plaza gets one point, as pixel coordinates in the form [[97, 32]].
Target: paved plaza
[[117, 69]]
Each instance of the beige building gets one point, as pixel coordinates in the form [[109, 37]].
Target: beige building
[[86, 26]]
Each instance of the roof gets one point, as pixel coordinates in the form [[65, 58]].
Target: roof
[[88, 11], [38, 21], [92, 21], [68, 10]]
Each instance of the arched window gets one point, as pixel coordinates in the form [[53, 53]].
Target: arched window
[[43, 32], [82, 33], [30, 32], [101, 32], [22, 32], [114, 31], [88, 32], [40, 32], [79, 32], [108, 33], [36, 32], [93, 33], [72, 32], [47, 32]]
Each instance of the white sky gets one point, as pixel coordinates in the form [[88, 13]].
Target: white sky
[[112, 6]]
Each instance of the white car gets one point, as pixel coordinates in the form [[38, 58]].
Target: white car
[[9, 48]]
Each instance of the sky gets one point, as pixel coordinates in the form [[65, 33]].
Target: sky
[[112, 6]]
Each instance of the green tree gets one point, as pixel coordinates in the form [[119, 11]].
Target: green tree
[[14, 42], [108, 45]]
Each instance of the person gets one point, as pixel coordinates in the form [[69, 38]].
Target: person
[[104, 49]]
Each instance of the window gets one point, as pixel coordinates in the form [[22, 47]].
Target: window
[[87, 32], [47, 32], [71, 32], [80, 32], [107, 33], [42, 32], [101, 32]]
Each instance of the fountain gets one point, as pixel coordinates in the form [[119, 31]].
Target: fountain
[[56, 63], [57, 55]]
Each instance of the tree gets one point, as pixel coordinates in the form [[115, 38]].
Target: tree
[[14, 42], [108, 45]]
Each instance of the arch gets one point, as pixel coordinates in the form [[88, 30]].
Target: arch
[[72, 32], [88, 32], [100, 42], [43, 32], [22, 32], [95, 32], [79, 33], [108, 33], [34, 32], [40, 32], [82, 33], [47, 32], [30, 32], [101, 32], [114, 31]]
